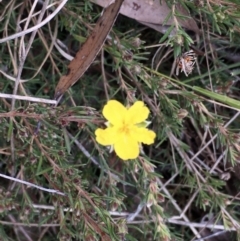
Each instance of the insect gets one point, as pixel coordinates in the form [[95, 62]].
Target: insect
[[186, 62]]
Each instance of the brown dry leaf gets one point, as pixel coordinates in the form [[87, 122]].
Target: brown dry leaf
[[88, 52], [153, 13]]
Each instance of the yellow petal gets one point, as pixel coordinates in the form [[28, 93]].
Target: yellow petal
[[114, 112], [145, 135], [126, 148], [137, 113], [105, 137]]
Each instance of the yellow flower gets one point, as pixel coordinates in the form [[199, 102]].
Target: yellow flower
[[126, 129]]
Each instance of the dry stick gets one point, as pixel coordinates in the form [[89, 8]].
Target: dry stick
[[212, 235], [20, 229], [184, 156], [203, 137], [60, 46], [22, 57], [214, 137], [205, 146], [201, 162], [38, 207], [129, 215], [132, 216], [45, 44], [189, 224], [165, 190], [88, 155], [39, 25], [32, 185], [86, 55], [24, 53], [30, 224], [28, 98], [13, 78], [199, 225]]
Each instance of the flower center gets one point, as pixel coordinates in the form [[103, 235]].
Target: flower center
[[125, 128]]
